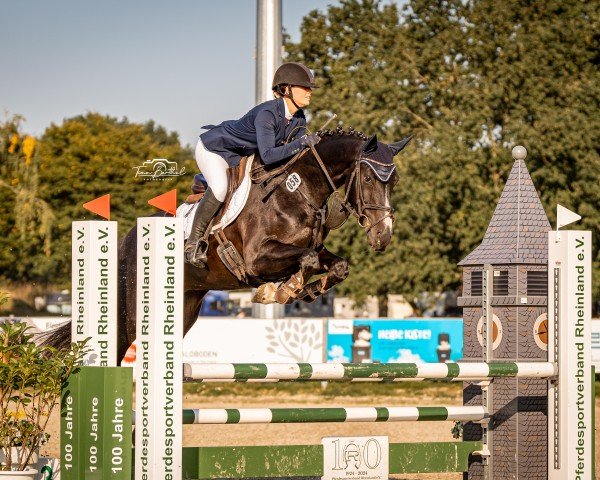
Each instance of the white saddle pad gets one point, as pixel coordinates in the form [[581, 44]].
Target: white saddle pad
[[235, 207]]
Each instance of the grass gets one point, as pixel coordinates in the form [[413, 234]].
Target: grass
[[327, 389]]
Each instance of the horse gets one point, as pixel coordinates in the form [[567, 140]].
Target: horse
[[281, 229]]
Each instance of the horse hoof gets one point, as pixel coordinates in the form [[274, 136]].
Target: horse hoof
[[265, 293], [283, 298]]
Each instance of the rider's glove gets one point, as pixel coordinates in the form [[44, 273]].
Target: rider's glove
[[309, 140]]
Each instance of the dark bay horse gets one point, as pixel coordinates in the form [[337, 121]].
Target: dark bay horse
[[280, 231]]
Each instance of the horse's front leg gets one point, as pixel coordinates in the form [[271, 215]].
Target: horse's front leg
[[275, 255], [337, 269]]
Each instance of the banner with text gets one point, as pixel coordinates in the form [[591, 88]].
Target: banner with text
[[408, 340]]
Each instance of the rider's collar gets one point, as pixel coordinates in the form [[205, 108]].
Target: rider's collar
[[288, 115]]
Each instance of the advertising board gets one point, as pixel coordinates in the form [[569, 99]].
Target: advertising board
[[411, 340]]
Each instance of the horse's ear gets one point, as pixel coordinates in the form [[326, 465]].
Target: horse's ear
[[371, 145], [397, 147]]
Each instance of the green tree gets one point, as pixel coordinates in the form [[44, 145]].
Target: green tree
[[91, 155], [85, 157], [470, 80], [27, 218]]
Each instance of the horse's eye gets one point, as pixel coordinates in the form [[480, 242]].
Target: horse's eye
[[368, 179]]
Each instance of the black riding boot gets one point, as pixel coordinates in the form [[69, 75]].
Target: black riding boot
[[196, 246]]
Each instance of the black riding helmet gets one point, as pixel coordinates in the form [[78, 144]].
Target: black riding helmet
[[293, 73]]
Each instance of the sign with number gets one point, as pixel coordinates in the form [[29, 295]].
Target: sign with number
[[359, 458], [293, 182]]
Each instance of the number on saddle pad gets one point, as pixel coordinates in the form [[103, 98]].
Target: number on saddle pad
[[293, 182]]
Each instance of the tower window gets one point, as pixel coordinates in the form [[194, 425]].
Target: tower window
[[477, 283], [500, 283], [537, 283]]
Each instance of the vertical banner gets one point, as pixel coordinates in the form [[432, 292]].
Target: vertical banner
[[158, 391], [115, 456], [92, 415], [94, 290], [570, 408], [96, 424], [71, 452]]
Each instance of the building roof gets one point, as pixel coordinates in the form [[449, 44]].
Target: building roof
[[518, 231]]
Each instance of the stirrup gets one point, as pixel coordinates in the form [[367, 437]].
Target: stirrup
[[195, 254]]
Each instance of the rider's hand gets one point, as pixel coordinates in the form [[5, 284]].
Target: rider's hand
[[309, 140]]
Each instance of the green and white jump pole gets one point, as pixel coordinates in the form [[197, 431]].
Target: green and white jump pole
[[357, 372], [219, 416]]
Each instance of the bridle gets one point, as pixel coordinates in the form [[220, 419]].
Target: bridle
[[355, 184]]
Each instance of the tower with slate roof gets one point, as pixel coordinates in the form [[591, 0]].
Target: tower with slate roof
[[516, 246]]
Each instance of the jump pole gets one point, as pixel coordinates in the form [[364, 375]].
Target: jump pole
[[365, 372]]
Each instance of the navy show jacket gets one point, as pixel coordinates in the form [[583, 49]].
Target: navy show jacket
[[263, 129]]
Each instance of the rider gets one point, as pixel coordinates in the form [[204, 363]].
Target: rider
[[274, 129]]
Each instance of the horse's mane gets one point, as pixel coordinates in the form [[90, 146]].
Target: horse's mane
[[341, 132]]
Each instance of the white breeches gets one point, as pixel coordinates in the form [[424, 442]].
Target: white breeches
[[214, 168]]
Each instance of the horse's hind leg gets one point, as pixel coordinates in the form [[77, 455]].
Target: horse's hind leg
[[337, 270]]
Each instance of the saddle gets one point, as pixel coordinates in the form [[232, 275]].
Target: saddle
[[225, 249], [235, 175]]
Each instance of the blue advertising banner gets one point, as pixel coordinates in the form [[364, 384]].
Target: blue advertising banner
[[410, 340]]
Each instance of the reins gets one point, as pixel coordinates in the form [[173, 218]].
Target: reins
[[353, 182], [279, 170], [268, 174]]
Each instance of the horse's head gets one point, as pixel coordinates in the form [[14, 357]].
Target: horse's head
[[370, 188]]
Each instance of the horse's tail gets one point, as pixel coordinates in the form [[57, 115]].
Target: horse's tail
[[59, 337], [127, 291]]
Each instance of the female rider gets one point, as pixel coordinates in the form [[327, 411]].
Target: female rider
[[264, 129]]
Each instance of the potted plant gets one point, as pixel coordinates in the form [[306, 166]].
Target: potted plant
[[31, 378], [19, 451]]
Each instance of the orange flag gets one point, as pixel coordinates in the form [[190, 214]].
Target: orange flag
[[166, 202], [99, 206]]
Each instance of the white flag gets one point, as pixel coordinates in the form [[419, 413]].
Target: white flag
[[564, 216]]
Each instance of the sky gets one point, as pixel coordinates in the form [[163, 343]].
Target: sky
[[182, 63]]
